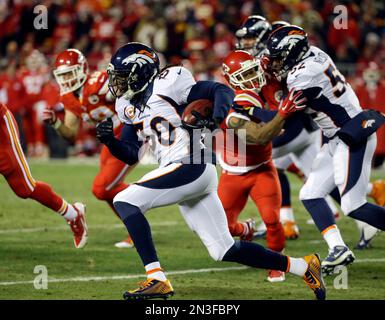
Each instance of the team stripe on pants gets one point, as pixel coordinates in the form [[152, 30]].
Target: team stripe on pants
[[17, 151]]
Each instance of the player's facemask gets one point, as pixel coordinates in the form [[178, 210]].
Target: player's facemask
[[250, 76], [128, 83], [69, 78], [277, 68]]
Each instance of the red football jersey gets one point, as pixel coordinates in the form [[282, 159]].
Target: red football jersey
[[234, 155], [272, 93], [33, 83], [94, 103]]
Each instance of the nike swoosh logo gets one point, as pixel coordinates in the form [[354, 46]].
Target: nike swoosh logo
[[180, 70]]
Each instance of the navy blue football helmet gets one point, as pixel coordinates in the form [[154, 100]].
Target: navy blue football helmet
[[253, 34], [132, 68], [278, 24], [285, 48]]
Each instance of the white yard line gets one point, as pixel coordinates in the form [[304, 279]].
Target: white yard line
[[64, 227], [130, 276], [135, 276], [369, 260]]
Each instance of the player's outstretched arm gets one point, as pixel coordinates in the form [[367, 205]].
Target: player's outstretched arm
[[126, 148], [257, 133]]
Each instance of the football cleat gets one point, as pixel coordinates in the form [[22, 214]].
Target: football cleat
[[313, 276], [79, 226], [290, 229], [150, 289], [248, 231], [276, 276], [368, 232], [378, 192], [126, 243], [260, 231], [338, 256]]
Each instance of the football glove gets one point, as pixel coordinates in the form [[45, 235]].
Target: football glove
[[105, 131], [293, 102], [202, 122]]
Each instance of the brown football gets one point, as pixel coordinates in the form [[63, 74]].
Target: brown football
[[202, 106]]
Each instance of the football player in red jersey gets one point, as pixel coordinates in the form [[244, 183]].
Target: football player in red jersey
[[87, 97], [248, 170], [14, 167], [34, 77]]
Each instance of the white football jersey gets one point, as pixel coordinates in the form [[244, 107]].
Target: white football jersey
[[333, 101], [160, 123]]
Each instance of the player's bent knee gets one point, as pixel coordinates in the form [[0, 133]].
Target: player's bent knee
[[99, 192], [348, 206], [216, 253], [218, 250], [120, 197], [22, 192], [125, 209], [307, 194]]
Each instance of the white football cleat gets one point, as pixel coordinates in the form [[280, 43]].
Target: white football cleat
[[276, 276], [367, 233], [126, 243], [79, 226]]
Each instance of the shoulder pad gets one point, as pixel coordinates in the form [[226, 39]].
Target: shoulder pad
[[247, 97]]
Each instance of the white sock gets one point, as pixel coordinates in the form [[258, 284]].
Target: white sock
[[154, 271], [286, 214], [333, 237], [298, 266], [68, 211], [369, 189], [331, 204]]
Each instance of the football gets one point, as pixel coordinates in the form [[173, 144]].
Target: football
[[202, 106]]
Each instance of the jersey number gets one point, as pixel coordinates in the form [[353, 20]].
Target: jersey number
[[160, 126], [337, 81]]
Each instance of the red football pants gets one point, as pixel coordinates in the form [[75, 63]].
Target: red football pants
[[15, 169], [263, 187], [109, 181]]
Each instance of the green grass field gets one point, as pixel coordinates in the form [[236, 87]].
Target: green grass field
[[32, 235]]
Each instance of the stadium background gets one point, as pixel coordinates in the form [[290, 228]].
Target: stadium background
[[198, 34]]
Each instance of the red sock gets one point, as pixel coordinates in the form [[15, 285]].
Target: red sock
[[44, 194], [237, 229]]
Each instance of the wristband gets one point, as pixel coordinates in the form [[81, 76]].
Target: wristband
[[57, 124]]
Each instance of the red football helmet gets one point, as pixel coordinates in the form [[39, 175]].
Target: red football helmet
[[243, 71], [71, 69]]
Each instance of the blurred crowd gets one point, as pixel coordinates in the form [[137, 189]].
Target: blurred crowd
[[197, 33]]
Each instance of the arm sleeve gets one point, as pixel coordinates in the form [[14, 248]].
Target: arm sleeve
[[126, 148], [221, 94], [263, 114]]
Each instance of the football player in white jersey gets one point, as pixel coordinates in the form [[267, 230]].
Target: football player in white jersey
[[345, 160], [298, 145], [149, 103]]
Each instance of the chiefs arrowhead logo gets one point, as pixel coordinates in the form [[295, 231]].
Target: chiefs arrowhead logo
[[93, 99], [368, 123]]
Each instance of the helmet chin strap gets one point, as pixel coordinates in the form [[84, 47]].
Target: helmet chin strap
[[129, 94]]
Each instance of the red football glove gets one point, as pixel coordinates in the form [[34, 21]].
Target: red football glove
[[293, 102], [49, 116]]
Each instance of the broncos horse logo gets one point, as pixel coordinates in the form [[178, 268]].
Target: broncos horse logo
[[142, 57]]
